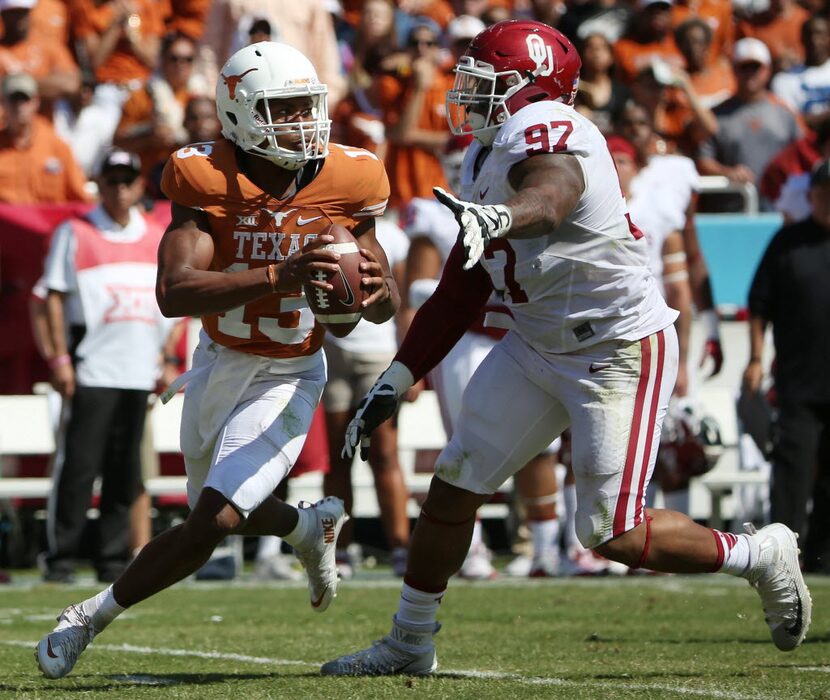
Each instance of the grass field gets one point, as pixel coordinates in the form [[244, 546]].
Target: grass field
[[641, 637]]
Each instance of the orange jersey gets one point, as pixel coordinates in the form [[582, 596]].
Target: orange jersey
[[252, 229]]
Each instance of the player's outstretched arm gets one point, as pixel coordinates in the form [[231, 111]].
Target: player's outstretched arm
[[185, 286]]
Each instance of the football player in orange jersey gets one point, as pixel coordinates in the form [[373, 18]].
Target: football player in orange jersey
[[248, 212]]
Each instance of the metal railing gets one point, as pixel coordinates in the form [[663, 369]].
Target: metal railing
[[720, 184]]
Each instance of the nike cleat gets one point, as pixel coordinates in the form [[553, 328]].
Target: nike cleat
[[777, 578], [318, 557], [404, 651], [58, 651]]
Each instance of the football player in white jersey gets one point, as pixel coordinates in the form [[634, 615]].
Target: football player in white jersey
[[676, 179], [593, 346]]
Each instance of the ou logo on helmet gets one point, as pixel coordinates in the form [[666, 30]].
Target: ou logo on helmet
[[540, 53]]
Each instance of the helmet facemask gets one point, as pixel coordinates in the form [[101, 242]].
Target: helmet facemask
[[265, 130], [477, 102]]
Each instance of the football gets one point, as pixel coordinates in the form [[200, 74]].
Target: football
[[339, 309]]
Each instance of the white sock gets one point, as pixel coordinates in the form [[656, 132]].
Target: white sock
[[305, 522], [418, 607], [267, 547], [477, 538], [544, 535], [569, 496], [102, 609], [737, 553]]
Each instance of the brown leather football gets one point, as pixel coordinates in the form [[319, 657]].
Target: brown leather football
[[339, 309]]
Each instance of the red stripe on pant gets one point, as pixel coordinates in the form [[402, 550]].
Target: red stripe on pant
[[652, 417], [633, 438]]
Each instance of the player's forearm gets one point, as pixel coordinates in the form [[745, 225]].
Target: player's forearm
[[198, 292], [757, 328], [679, 297], [548, 188], [535, 213], [55, 336]]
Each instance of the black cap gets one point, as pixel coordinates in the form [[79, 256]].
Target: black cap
[[119, 158], [820, 174]]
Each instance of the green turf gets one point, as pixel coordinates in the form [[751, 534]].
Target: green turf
[[649, 637]]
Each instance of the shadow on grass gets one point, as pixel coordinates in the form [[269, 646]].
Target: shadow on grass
[[84, 683]]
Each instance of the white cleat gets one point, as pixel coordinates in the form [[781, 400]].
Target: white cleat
[[404, 651], [545, 566], [477, 564], [318, 558], [777, 578], [58, 651]]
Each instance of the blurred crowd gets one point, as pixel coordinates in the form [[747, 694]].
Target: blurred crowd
[[741, 87]]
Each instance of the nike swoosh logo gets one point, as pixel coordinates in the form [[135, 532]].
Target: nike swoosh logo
[[795, 630], [349, 299], [317, 603], [302, 222], [51, 654], [598, 366], [483, 193]]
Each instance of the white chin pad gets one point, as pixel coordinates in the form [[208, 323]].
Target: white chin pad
[[481, 133]]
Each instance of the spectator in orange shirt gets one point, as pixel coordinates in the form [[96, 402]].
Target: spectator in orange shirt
[[24, 51], [50, 21], [152, 120], [187, 17], [120, 38], [779, 27], [357, 120], [36, 166], [119, 41], [717, 15], [675, 109], [415, 117], [649, 37], [712, 80]]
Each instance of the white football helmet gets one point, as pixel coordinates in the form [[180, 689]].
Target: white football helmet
[[265, 71]]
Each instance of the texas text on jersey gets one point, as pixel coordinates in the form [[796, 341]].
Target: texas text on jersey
[[250, 228]]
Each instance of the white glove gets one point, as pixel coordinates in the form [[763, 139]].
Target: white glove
[[478, 223], [379, 404]]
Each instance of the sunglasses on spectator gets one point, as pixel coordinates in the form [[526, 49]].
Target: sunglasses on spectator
[[178, 58], [122, 179], [423, 42]]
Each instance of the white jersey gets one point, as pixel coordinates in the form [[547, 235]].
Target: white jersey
[[672, 179], [378, 338], [586, 281]]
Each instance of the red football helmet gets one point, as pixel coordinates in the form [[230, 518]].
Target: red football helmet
[[507, 66]]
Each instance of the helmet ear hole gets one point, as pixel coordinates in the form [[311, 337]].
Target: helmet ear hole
[[232, 118]]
